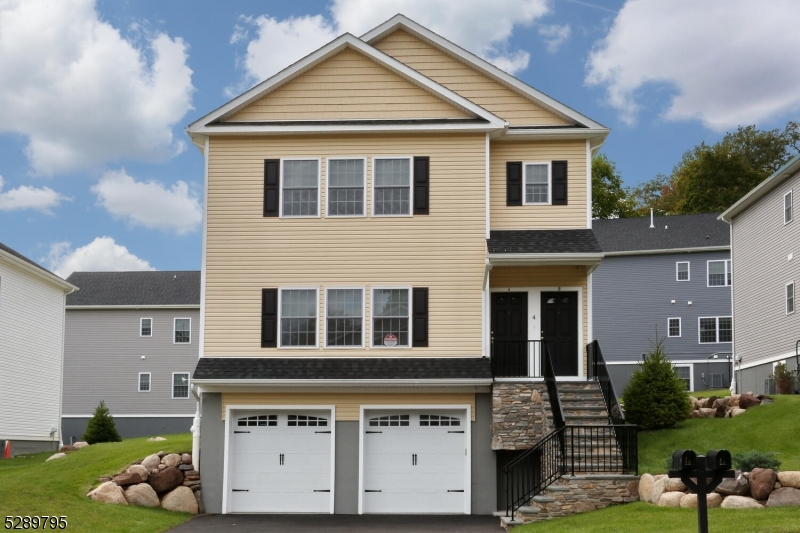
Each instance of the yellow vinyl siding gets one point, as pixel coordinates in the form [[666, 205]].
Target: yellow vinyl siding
[[469, 83], [443, 251], [348, 86], [572, 215], [348, 405]]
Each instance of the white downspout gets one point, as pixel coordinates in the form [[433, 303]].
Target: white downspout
[[195, 429]]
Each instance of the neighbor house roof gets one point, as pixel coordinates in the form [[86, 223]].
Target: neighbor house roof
[[670, 233], [36, 267], [783, 173], [139, 289]]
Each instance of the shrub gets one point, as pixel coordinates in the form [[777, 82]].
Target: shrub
[[747, 461], [656, 397], [101, 427], [783, 378]]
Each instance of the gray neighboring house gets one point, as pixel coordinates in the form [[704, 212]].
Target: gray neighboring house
[[670, 273], [765, 234], [132, 340]]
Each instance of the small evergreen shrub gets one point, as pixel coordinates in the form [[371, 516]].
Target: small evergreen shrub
[[101, 427], [747, 461], [656, 397]]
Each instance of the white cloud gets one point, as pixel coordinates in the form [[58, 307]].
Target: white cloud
[[728, 61], [102, 254], [81, 93], [554, 35], [149, 204], [482, 27], [24, 197]]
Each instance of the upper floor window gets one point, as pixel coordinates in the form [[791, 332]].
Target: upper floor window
[[682, 271], [300, 188], [344, 317], [790, 298], [787, 207], [298, 317], [183, 330], [719, 273], [715, 329], [674, 327], [346, 186], [146, 327], [537, 183], [180, 385], [390, 317], [144, 381], [391, 186]]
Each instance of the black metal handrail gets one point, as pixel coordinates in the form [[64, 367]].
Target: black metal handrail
[[597, 369], [552, 388], [517, 359], [533, 471], [607, 449]]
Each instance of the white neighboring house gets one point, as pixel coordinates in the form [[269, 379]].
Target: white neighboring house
[[32, 302]]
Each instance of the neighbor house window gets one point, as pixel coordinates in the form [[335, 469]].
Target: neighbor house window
[[346, 185], [344, 317], [787, 207], [719, 273], [144, 381], [183, 330], [146, 327], [390, 308], [682, 271], [715, 329], [537, 183], [684, 373], [180, 385], [298, 317], [392, 186], [674, 327], [790, 298], [300, 188]]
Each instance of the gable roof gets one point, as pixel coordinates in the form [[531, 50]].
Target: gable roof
[[136, 289], [33, 266], [553, 241], [778, 177], [631, 236]]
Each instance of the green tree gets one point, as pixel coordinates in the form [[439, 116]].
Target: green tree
[[609, 198], [658, 194], [101, 427]]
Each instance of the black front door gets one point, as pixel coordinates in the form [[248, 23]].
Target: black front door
[[560, 330], [510, 333]]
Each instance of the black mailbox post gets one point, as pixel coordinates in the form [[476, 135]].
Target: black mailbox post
[[709, 470]]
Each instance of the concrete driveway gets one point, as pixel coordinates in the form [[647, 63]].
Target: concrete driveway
[[340, 524]]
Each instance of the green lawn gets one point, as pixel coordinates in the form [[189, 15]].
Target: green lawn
[[29, 486], [719, 393]]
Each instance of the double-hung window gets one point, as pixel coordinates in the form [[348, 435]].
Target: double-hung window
[[391, 186], [684, 373], [145, 327], [790, 298], [719, 273], [298, 321], [180, 385], [674, 327], [346, 186], [682, 271], [144, 381], [787, 207], [537, 183], [344, 317], [183, 331], [390, 317], [300, 187], [715, 329]]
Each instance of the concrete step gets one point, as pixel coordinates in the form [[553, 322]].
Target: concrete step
[[540, 498], [507, 522]]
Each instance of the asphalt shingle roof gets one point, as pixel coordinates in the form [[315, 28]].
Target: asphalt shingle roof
[[20, 256], [670, 232], [136, 288], [225, 368], [557, 241]]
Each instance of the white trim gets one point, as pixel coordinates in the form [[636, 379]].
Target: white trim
[[38, 272], [766, 360], [175, 330], [328, 181], [280, 316], [183, 415], [410, 184], [728, 271], [588, 184], [589, 309], [683, 364], [486, 313], [680, 327], [135, 307], [725, 360], [363, 316], [188, 386], [227, 448], [372, 317], [142, 319], [487, 163], [319, 186], [203, 260], [355, 383], [234, 129], [149, 382], [525, 165], [791, 207], [786, 299], [699, 332], [723, 248], [688, 271], [522, 259], [467, 436]]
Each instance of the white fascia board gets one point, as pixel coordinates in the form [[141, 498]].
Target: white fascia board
[[144, 306], [724, 248], [232, 128], [324, 383], [783, 173], [340, 43], [544, 259], [481, 65], [38, 272], [90, 415], [596, 136]]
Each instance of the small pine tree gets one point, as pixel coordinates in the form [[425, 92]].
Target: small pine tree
[[101, 427], [656, 397]]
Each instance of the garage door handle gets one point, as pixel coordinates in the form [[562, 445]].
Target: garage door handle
[[367, 490], [368, 432], [322, 490], [241, 432], [455, 432], [322, 432], [455, 490], [241, 490]]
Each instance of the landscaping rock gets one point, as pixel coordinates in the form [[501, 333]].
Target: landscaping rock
[[697, 414], [181, 499], [735, 400], [161, 454], [674, 485], [646, 487], [108, 492], [185, 467], [55, 456], [670, 499], [129, 478], [201, 507], [151, 462], [709, 403], [740, 502], [186, 458], [726, 401], [81, 444], [784, 497], [720, 412], [789, 479], [707, 413], [140, 469], [762, 481], [737, 486], [155, 439], [689, 501], [165, 480], [68, 448], [142, 495], [172, 459], [737, 411], [659, 487], [747, 400]]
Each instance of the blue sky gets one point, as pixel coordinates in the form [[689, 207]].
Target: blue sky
[[96, 172]]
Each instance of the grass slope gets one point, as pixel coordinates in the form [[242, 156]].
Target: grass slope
[[29, 486]]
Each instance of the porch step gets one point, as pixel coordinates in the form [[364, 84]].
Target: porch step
[[507, 522]]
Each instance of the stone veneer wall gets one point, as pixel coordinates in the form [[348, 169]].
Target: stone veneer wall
[[520, 415], [579, 494]]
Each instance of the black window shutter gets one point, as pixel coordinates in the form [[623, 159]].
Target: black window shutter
[[269, 318], [421, 185], [514, 183], [271, 187], [559, 183], [420, 316]]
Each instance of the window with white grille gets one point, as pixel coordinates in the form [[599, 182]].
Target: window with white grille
[[715, 329], [787, 207], [258, 421], [300, 188], [389, 421], [685, 374], [674, 327], [537, 183], [344, 320], [346, 185], [682, 271], [719, 273], [298, 317], [790, 298], [391, 186], [183, 331], [146, 327], [180, 385], [144, 381], [305, 421], [390, 317], [439, 420]]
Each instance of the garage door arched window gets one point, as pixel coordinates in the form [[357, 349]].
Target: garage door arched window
[[439, 420], [389, 421], [258, 421], [305, 421]]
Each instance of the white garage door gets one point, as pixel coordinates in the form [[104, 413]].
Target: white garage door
[[280, 462], [415, 461]]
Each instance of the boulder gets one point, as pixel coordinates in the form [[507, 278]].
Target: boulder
[[689, 501], [737, 411], [81, 444], [740, 502], [201, 507], [737, 486], [181, 499], [762, 481], [165, 480], [129, 478], [185, 467], [142, 495], [161, 467], [659, 488], [172, 459], [151, 462], [155, 439], [55, 456], [161, 454], [747, 400], [713, 500], [707, 413], [670, 499], [709, 403], [735, 400], [140, 469], [646, 487], [68, 448], [726, 401], [789, 479], [109, 492], [720, 411], [186, 458], [697, 414], [674, 485], [784, 497]]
